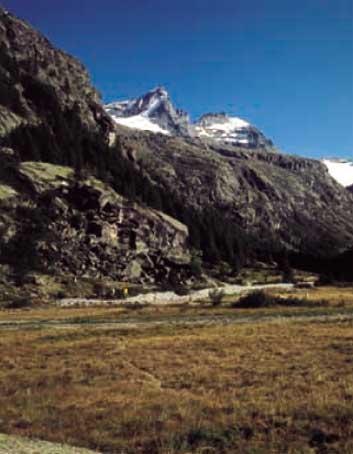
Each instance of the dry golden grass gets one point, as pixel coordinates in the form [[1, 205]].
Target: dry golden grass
[[253, 388], [334, 295]]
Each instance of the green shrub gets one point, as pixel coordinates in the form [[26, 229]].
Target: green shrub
[[196, 265], [181, 290], [216, 295], [135, 306], [211, 437], [19, 303], [61, 295], [260, 299], [326, 279], [176, 287]]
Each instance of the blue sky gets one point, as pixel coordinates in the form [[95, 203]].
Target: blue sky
[[284, 65]]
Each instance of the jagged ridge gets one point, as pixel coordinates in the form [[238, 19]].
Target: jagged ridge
[[155, 112]]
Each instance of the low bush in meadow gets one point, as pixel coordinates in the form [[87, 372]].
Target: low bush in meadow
[[260, 299]]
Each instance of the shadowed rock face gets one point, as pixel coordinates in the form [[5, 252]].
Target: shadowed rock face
[[45, 94], [84, 228]]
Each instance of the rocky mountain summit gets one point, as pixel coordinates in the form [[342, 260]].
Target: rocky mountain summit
[[155, 112], [227, 130]]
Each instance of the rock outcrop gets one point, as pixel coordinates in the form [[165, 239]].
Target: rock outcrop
[[49, 221]]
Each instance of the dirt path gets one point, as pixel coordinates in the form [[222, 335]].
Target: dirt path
[[18, 445], [322, 315], [164, 298]]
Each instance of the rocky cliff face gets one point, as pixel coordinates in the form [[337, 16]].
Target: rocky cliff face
[[47, 103], [291, 200], [49, 221]]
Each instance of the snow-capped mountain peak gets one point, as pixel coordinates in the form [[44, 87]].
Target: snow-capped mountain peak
[[155, 112], [228, 130], [221, 128]]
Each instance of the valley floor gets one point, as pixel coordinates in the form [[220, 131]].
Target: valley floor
[[177, 380]]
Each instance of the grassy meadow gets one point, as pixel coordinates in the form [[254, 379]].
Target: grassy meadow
[[276, 385]]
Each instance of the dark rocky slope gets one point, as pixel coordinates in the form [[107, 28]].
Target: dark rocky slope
[[48, 107], [51, 222], [50, 112]]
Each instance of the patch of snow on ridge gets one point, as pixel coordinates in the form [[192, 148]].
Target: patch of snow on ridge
[[230, 124], [231, 130], [341, 171], [221, 128], [140, 122]]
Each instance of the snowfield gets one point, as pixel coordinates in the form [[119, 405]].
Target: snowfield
[[224, 129], [226, 124], [341, 171], [140, 122]]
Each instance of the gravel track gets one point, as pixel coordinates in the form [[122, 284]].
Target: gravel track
[[165, 298], [10, 444]]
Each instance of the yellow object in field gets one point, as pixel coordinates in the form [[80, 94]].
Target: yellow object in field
[[125, 291]]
